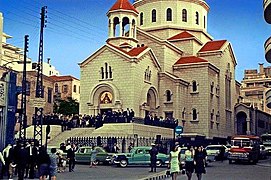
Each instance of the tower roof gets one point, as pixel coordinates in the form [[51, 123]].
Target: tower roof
[[213, 46], [182, 35], [123, 5]]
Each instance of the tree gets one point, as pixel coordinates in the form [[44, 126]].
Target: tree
[[66, 107]]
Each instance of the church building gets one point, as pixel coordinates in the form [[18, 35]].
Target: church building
[[160, 59]]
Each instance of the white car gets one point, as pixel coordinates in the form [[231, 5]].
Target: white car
[[214, 150]]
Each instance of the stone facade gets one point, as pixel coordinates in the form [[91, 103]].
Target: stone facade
[[66, 86], [176, 70]]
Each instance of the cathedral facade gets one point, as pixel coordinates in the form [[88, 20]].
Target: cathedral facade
[[159, 59]]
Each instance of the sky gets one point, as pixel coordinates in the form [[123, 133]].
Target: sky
[[75, 29]]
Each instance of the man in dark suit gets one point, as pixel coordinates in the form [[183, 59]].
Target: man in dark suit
[[71, 157], [115, 148], [32, 152], [153, 153]]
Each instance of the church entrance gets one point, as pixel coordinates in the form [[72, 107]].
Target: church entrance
[[241, 123]]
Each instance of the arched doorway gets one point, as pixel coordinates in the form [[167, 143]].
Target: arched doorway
[[241, 123], [151, 102]]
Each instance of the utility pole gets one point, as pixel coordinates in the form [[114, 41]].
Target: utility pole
[[38, 119], [23, 120]]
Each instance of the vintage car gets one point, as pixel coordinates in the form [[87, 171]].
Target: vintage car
[[83, 155], [214, 150], [139, 156]]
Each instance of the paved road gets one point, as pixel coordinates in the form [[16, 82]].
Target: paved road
[[216, 171]]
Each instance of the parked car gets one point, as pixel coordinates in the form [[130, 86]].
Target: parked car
[[214, 150], [139, 156], [263, 152], [82, 155]]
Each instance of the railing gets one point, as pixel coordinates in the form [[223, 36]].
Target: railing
[[267, 10], [267, 47]]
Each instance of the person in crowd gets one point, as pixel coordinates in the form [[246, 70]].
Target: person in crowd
[[32, 153], [2, 161], [43, 162], [53, 164], [115, 148], [221, 154], [21, 159], [153, 158], [71, 157], [174, 162], [189, 162], [93, 157], [8, 157], [199, 161], [60, 165]]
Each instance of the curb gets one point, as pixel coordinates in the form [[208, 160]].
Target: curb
[[160, 175]]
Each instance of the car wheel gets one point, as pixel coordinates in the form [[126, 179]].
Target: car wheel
[[159, 163], [123, 163]]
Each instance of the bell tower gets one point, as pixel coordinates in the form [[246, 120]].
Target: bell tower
[[122, 22]]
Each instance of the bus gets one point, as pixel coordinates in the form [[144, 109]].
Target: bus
[[266, 140]]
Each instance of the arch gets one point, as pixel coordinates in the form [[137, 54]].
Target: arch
[[153, 15], [241, 123], [152, 99], [184, 15], [169, 14], [125, 27], [197, 17], [116, 27], [141, 16], [99, 89], [168, 95], [144, 93]]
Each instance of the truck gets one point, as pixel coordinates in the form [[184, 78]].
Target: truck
[[244, 148]]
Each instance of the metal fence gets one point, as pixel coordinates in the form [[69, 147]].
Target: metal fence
[[123, 143]]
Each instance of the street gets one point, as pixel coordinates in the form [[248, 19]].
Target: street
[[216, 170]]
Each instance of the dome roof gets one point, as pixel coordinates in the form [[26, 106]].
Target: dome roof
[[123, 5]]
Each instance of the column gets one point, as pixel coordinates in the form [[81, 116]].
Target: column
[[248, 127]]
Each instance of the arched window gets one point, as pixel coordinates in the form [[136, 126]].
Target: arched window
[[168, 94], [153, 15], [141, 19], [116, 32], [194, 114], [184, 15], [169, 14], [194, 86], [56, 88], [197, 18]]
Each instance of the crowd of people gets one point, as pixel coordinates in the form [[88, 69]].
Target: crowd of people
[[160, 122], [27, 160]]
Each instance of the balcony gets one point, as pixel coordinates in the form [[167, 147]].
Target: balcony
[[267, 10], [268, 98], [267, 47]]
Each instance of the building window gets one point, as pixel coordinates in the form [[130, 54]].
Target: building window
[[204, 21], [217, 90], [49, 100], [212, 115], [168, 95], [194, 115], [197, 18], [153, 15], [65, 88], [79, 89], [27, 87], [169, 14], [194, 86], [74, 88], [56, 88], [212, 88], [217, 117], [147, 74], [183, 114], [106, 71], [184, 15], [141, 19]]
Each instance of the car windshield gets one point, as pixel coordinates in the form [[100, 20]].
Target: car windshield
[[241, 143]]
